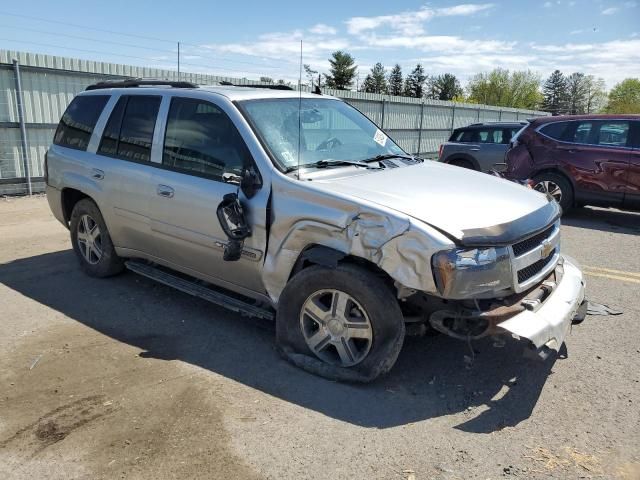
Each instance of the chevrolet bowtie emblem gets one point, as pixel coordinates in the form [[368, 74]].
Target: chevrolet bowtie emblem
[[547, 248]]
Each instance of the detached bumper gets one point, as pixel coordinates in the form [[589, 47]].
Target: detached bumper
[[547, 325]]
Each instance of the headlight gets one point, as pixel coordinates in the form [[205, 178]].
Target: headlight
[[462, 273]]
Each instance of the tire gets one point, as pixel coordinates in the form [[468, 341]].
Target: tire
[[369, 345], [463, 164], [557, 186], [91, 241]]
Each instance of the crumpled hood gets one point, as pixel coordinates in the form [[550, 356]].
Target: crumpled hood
[[470, 206]]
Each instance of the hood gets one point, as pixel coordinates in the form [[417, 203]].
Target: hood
[[473, 207]]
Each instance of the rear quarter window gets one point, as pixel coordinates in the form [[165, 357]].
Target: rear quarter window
[[79, 120], [555, 130]]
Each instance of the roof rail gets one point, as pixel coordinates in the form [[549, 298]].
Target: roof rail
[[257, 85], [140, 82]]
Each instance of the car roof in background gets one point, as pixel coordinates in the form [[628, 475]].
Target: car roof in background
[[564, 118], [493, 125]]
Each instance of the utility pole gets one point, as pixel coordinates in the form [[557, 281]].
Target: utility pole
[[178, 61]]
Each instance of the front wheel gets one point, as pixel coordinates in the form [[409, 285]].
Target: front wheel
[[341, 323]]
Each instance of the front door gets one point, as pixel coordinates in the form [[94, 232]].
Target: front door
[[632, 194], [203, 157]]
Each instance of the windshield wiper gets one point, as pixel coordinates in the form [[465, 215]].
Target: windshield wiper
[[386, 156]]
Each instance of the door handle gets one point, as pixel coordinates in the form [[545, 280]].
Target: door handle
[[475, 149], [165, 191], [97, 173]]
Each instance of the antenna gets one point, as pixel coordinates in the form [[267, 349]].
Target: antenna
[[299, 111]]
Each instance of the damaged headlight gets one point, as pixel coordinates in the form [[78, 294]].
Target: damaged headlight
[[472, 273]]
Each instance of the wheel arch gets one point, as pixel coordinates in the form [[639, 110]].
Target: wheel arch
[[70, 197], [463, 157]]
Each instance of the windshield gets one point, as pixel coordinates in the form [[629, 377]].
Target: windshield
[[329, 130]]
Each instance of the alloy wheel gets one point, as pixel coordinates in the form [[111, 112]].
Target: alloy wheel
[[336, 327], [89, 239], [550, 187]]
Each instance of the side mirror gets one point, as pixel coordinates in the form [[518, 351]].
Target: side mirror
[[250, 182], [234, 224]]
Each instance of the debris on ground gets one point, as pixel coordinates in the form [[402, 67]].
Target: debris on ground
[[594, 308]]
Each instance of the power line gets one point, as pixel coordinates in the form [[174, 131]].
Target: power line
[[129, 56]]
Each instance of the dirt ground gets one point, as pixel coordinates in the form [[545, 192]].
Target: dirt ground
[[125, 378]]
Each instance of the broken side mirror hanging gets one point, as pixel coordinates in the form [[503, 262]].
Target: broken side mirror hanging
[[233, 222]]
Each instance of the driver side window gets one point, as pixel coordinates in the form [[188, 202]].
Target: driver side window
[[201, 139]]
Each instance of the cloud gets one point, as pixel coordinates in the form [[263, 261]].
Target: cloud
[[410, 22], [610, 11], [547, 4], [322, 29], [439, 43], [576, 32]]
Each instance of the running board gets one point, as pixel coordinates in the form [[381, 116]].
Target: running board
[[197, 290]]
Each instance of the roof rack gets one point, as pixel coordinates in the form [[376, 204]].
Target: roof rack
[[139, 82], [257, 85]]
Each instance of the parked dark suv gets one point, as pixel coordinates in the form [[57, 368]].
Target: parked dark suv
[[480, 145], [580, 160]]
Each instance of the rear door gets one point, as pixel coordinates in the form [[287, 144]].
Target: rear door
[[124, 154], [632, 194], [202, 159], [490, 148], [595, 154]]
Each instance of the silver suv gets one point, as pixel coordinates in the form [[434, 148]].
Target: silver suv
[[296, 207]]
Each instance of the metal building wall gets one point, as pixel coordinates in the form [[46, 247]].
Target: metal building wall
[[49, 83]]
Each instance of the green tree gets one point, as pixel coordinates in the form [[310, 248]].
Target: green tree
[[414, 83], [625, 97], [576, 94], [376, 81], [311, 75], [596, 94], [444, 87], [555, 94], [395, 80], [266, 79], [342, 71], [499, 87]]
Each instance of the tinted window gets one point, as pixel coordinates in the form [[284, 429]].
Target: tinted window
[[79, 120], [555, 130], [581, 134], [109, 142], [136, 132], [475, 136], [200, 138], [614, 133]]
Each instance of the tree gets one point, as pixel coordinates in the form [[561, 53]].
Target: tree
[[624, 97], [395, 80], [555, 94], [576, 94], [342, 71], [414, 83], [444, 87], [266, 79], [376, 81], [499, 87], [596, 94], [310, 73]]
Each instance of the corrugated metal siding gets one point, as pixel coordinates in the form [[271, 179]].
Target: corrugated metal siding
[[50, 82]]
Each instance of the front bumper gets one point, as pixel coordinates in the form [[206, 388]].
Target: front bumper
[[548, 324]]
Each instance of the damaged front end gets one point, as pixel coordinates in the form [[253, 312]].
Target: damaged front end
[[541, 315]]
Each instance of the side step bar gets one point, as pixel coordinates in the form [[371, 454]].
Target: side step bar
[[197, 290]]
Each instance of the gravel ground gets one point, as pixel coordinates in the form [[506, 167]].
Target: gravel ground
[[125, 378]]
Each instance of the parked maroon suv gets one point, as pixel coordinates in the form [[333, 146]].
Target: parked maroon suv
[[580, 160]]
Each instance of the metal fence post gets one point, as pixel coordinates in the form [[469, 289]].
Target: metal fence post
[[382, 120], [478, 115], [23, 130], [453, 118], [500, 115], [420, 130]]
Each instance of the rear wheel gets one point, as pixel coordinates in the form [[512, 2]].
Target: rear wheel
[[462, 163], [341, 323], [557, 186], [91, 241]]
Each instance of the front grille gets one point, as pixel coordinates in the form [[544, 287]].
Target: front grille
[[532, 270], [532, 242]]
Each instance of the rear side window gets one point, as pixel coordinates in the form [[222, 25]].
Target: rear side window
[[79, 120], [612, 133], [555, 130], [201, 139], [129, 131], [582, 133]]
